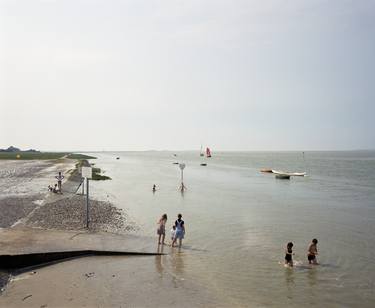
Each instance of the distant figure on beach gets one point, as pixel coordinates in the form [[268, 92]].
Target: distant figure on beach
[[180, 231], [288, 254], [154, 188], [55, 189], [173, 233], [312, 252], [161, 229], [59, 178]]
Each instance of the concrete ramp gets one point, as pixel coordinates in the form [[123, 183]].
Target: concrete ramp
[[18, 241], [31, 260], [24, 249]]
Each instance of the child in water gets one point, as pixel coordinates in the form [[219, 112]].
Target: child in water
[[312, 252], [173, 232], [288, 254]]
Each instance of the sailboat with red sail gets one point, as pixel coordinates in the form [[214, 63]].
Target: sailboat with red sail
[[208, 152]]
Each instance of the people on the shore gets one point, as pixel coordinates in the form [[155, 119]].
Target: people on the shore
[[55, 189], [59, 178], [288, 254], [50, 188], [180, 231], [312, 252], [161, 229], [173, 233]]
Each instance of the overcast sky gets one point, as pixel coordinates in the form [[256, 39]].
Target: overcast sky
[[232, 75]]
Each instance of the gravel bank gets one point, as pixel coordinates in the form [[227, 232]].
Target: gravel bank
[[70, 214], [24, 199], [14, 208]]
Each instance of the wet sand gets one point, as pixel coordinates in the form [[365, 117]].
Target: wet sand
[[105, 282], [136, 281]]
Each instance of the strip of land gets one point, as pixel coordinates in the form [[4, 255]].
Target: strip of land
[[40, 221]]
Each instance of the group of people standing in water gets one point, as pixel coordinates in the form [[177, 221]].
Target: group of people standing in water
[[178, 233], [177, 230], [312, 252]]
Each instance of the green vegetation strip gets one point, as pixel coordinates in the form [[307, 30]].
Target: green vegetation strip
[[79, 156], [96, 172], [31, 155], [42, 155]]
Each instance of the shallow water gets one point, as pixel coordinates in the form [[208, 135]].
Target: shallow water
[[238, 221]]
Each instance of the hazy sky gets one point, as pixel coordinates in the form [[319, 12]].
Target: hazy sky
[[232, 75]]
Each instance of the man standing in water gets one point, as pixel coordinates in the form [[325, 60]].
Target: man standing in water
[[59, 178], [180, 231]]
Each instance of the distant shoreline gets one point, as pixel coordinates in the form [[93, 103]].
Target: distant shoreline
[[26, 155]]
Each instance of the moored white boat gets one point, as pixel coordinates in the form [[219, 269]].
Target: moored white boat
[[289, 173]]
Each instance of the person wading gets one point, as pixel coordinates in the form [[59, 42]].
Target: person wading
[[161, 229], [180, 231]]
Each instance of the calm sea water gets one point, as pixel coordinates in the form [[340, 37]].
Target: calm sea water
[[238, 221]]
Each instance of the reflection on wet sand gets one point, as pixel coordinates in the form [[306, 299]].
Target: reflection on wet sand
[[290, 284], [171, 264], [177, 261], [312, 276], [177, 266], [158, 260]]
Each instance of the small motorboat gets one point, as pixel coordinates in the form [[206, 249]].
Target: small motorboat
[[266, 170], [175, 163]]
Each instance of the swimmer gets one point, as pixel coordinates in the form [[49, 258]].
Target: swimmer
[[288, 254], [312, 252], [154, 188]]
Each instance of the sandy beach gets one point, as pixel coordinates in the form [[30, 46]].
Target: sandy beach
[[39, 221]]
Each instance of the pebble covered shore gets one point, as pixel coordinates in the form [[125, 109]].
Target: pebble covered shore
[[70, 214], [24, 200]]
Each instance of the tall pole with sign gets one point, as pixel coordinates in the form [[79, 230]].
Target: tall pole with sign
[[182, 167], [87, 173], [87, 203]]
